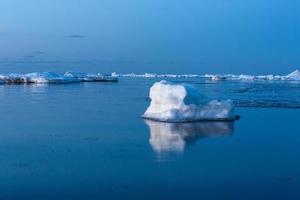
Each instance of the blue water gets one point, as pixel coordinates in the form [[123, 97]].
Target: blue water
[[87, 141]]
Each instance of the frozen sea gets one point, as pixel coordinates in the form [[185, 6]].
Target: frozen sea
[[87, 141]]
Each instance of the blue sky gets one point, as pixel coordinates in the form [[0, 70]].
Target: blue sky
[[168, 36]]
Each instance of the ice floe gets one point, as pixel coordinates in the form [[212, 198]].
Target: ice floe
[[89, 77], [173, 137], [51, 77], [48, 77], [182, 103]]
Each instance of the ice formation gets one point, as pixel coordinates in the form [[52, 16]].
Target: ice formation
[[173, 137], [51, 77], [48, 77], [295, 75], [183, 103]]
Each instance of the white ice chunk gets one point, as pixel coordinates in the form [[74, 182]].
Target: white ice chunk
[[182, 103], [115, 74]]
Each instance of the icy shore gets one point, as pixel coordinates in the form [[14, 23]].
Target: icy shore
[[183, 103]]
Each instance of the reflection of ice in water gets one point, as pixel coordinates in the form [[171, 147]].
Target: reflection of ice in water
[[173, 137]]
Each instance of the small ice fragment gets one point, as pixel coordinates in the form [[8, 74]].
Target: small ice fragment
[[218, 78], [115, 74], [295, 75]]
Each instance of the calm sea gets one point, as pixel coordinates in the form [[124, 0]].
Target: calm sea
[[87, 141]]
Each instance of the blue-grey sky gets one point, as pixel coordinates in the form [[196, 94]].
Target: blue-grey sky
[[165, 36]]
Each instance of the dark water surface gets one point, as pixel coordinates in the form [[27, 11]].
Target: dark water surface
[[86, 141]]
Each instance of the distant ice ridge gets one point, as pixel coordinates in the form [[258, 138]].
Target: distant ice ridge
[[151, 75], [51, 77], [182, 103], [294, 76]]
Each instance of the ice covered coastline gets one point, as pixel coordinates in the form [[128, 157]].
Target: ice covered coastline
[[182, 103]]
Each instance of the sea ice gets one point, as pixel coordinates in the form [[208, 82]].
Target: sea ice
[[152, 75], [51, 77], [45, 77], [216, 77], [183, 103]]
